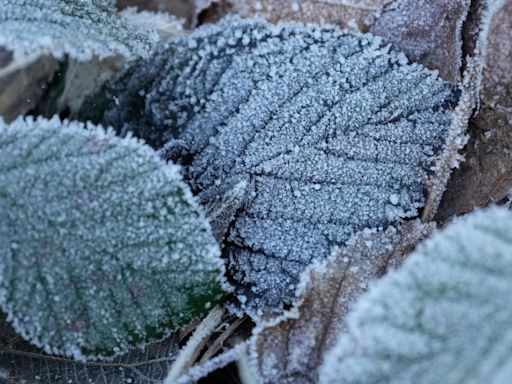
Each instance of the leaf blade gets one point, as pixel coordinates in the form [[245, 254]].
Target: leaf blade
[[114, 250], [441, 317]]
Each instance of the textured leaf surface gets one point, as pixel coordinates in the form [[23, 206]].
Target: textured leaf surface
[[102, 244], [443, 317], [179, 8], [430, 34], [23, 363], [331, 132], [163, 23], [486, 175], [290, 349], [80, 28], [343, 13]]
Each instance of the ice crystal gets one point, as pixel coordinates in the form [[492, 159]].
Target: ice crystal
[[329, 132], [102, 244], [80, 28], [444, 317], [289, 349]]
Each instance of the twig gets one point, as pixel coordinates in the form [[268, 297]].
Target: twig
[[245, 371], [219, 342], [18, 64], [191, 350]]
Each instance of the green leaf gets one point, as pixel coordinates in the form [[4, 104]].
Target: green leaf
[[102, 244], [444, 317], [79, 28]]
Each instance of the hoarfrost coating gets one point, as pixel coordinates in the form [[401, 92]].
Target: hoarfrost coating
[[102, 244], [330, 132], [80, 28], [443, 317]]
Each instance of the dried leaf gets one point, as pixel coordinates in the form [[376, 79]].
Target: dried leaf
[[165, 24], [430, 33], [443, 317], [290, 349], [456, 140], [23, 363], [331, 131], [343, 13], [486, 176]]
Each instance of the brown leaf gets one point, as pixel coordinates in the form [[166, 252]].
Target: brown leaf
[[486, 175], [340, 12], [20, 362], [450, 157], [290, 348], [429, 34]]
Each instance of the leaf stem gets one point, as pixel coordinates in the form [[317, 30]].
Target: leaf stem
[[194, 345]]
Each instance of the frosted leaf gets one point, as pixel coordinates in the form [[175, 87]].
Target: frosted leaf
[[486, 175], [430, 34], [290, 348], [179, 8], [330, 131], [80, 28], [26, 364], [444, 317], [103, 246], [344, 13], [164, 24]]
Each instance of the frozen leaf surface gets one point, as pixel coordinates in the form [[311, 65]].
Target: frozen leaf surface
[[25, 363], [80, 28], [163, 23], [443, 317], [290, 349], [330, 132], [343, 13], [179, 8], [430, 34], [103, 246]]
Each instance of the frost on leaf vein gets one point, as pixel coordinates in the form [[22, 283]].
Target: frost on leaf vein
[[329, 131], [102, 245], [80, 28]]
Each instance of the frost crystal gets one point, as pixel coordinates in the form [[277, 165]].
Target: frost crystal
[[444, 317], [102, 245], [329, 131], [289, 349], [80, 28]]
